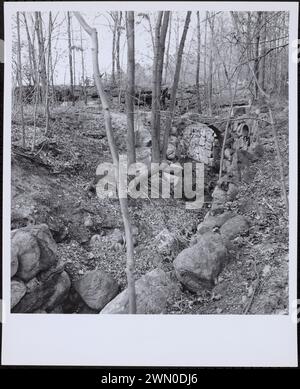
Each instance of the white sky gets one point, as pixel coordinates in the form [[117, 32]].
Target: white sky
[[143, 44]]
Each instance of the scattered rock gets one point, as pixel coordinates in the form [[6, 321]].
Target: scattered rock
[[46, 243], [39, 291], [88, 221], [210, 222], [26, 249], [234, 227], [153, 291], [171, 151], [18, 290], [96, 288], [14, 263], [61, 291], [116, 236], [232, 191], [35, 250], [173, 131], [165, 241], [219, 195], [95, 240], [198, 266]]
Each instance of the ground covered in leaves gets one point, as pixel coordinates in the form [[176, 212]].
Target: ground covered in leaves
[[53, 184]]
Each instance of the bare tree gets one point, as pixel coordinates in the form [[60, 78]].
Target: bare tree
[[175, 84], [41, 46], [48, 73], [82, 68], [114, 16], [210, 67], [262, 71], [92, 32], [256, 61], [119, 32], [19, 72], [168, 51], [198, 63], [70, 56], [31, 53], [130, 90], [160, 37]]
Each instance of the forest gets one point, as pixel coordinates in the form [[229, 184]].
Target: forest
[[186, 110]]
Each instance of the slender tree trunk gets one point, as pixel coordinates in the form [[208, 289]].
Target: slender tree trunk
[[31, 54], [113, 53], [70, 57], [19, 56], [198, 63], [115, 156], [73, 58], [168, 52], [130, 90], [119, 31], [82, 69], [155, 96], [256, 61], [47, 110], [160, 38], [36, 101], [41, 46], [262, 71], [205, 57], [175, 84], [210, 69]]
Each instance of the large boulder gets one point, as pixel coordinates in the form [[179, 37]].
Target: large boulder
[[26, 252], [96, 288], [153, 291], [197, 267], [17, 291], [234, 227], [39, 290], [32, 250], [199, 141]]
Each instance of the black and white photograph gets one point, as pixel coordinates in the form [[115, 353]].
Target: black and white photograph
[[150, 155]]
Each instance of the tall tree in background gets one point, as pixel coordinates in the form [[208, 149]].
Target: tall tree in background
[[175, 84], [19, 72], [114, 16], [92, 32], [130, 89], [119, 32], [198, 63], [159, 49], [41, 47], [31, 53], [70, 56], [168, 52], [82, 69], [256, 53], [205, 58], [47, 110], [263, 32], [210, 67]]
